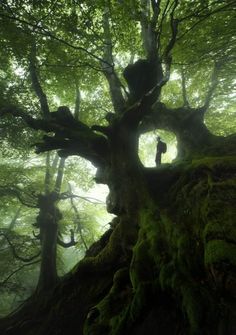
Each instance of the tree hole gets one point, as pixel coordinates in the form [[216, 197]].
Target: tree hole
[[148, 144]]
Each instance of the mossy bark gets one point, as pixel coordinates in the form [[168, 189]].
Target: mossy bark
[[193, 137], [182, 271], [168, 263], [169, 271]]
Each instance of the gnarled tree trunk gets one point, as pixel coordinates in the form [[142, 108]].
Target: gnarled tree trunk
[[167, 264]]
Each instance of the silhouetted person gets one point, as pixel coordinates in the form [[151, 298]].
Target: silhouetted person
[[161, 149]]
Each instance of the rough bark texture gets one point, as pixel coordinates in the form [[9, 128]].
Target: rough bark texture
[[167, 265], [193, 137], [47, 222], [170, 270]]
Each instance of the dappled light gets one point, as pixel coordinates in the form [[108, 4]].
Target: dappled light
[[117, 167]]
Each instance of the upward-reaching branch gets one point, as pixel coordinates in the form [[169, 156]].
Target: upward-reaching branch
[[108, 67], [51, 170], [80, 141], [184, 91], [174, 31], [77, 102], [60, 173], [36, 83], [77, 219], [213, 85], [149, 18], [160, 25]]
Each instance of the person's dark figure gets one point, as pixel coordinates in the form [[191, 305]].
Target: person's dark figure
[[161, 149]]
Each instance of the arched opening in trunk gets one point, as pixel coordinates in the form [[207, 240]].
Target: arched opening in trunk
[[148, 144]]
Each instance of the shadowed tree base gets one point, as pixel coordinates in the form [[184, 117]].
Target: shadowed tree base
[[167, 266], [179, 277]]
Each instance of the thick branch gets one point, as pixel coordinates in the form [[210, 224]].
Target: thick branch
[[80, 140], [144, 20], [160, 117], [174, 31], [29, 120], [177, 120], [51, 170], [148, 26], [108, 67], [36, 83], [160, 26], [92, 148], [213, 85], [137, 112], [184, 91]]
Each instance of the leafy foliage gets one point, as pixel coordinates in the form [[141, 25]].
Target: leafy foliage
[[73, 49]]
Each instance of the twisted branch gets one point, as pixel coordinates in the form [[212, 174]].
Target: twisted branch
[[23, 259]]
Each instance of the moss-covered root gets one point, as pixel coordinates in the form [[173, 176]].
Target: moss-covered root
[[105, 317], [187, 250], [182, 277]]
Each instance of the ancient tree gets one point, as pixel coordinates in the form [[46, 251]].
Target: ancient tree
[[167, 264]]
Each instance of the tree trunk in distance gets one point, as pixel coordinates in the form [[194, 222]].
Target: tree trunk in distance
[[47, 221]]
